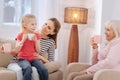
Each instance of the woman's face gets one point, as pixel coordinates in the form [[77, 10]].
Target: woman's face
[[109, 33], [48, 28]]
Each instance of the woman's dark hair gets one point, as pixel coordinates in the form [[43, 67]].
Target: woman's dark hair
[[56, 30]]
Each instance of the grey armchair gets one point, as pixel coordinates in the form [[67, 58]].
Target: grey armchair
[[104, 74]]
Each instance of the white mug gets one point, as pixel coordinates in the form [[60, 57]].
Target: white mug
[[30, 36]]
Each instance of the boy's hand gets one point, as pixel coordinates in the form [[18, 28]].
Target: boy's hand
[[25, 36]]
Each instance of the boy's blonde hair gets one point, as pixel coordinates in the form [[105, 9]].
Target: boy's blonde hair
[[115, 25], [25, 19]]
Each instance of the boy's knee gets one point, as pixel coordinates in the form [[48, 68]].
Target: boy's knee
[[27, 68]]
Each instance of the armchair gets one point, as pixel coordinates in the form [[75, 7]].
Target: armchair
[[105, 74]]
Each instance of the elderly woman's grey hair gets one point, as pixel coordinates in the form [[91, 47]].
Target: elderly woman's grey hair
[[115, 25]]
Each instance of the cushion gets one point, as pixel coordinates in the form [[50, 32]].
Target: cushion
[[5, 59], [52, 66], [15, 67], [2, 41]]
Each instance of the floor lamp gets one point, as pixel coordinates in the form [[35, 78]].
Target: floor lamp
[[74, 16]]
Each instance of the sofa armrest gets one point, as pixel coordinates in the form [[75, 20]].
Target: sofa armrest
[[74, 67], [52, 66], [5, 59], [107, 74], [7, 75], [2, 68]]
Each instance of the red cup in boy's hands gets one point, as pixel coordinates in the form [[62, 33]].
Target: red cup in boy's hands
[[7, 47], [97, 39]]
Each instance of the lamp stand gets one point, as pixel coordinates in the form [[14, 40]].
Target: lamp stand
[[73, 49]]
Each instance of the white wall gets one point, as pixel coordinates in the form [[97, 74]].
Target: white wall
[[110, 10]]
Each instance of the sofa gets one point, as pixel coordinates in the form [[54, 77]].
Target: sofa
[[105, 74], [5, 59]]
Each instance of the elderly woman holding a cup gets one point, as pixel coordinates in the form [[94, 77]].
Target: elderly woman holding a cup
[[105, 58]]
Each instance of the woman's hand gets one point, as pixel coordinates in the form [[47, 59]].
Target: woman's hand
[[38, 56], [37, 43], [41, 58], [93, 44]]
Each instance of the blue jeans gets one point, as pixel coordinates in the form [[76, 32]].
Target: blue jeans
[[27, 69]]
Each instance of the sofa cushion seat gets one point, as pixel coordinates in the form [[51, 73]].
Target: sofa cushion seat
[[53, 70], [56, 75]]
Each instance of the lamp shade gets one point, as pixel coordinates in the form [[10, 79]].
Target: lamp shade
[[75, 15]]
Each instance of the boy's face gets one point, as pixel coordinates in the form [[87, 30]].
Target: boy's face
[[31, 25]]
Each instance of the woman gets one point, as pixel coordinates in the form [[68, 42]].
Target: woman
[[48, 34], [106, 58], [48, 39]]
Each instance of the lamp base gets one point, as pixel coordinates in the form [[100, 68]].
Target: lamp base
[[73, 49]]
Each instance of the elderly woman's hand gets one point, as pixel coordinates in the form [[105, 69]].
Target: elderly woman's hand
[[93, 44]]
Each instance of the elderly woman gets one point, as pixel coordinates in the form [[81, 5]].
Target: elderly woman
[[106, 58]]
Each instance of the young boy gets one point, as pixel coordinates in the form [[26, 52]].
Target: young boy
[[27, 45]]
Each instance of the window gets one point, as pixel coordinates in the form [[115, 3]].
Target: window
[[14, 9], [10, 17]]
